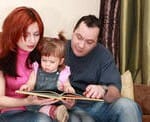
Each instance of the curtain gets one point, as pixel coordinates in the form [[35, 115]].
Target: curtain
[[110, 21], [135, 39]]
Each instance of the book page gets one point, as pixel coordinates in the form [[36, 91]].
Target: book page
[[45, 94], [54, 95], [79, 97]]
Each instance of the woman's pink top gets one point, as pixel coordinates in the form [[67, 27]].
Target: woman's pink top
[[13, 84]]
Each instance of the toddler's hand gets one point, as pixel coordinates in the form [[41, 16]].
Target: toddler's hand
[[69, 89], [25, 87]]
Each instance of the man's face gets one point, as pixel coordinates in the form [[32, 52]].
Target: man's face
[[84, 39]]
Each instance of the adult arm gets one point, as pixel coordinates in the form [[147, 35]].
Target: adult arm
[[108, 84], [112, 94], [110, 78], [98, 91], [8, 102]]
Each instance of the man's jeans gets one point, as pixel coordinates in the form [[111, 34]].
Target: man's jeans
[[122, 110]]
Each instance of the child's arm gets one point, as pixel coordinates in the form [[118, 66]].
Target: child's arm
[[67, 87], [63, 81], [29, 85]]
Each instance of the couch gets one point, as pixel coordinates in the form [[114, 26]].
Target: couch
[[142, 97], [138, 92]]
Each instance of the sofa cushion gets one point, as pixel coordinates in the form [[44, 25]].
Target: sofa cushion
[[127, 85], [142, 97]]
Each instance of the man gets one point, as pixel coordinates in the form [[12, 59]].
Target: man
[[94, 74]]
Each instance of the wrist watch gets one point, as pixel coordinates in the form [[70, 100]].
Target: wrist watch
[[105, 88]]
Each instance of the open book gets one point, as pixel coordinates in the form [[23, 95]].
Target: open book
[[54, 95]]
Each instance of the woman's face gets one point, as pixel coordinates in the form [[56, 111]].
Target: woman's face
[[32, 38]]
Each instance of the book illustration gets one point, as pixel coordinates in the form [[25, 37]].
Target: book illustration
[[55, 95]]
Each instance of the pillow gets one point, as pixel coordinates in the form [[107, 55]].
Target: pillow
[[127, 85]]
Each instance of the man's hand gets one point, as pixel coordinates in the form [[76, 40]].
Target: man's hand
[[94, 91]]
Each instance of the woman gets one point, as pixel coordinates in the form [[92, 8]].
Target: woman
[[21, 31]]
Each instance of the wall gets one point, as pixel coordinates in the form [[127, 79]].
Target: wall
[[57, 15]]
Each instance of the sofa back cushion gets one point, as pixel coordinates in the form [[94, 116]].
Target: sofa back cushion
[[127, 85]]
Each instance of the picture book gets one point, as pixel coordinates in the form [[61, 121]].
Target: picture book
[[55, 95]]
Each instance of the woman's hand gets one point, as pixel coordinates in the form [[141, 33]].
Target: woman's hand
[[34, 100], [69, 103]]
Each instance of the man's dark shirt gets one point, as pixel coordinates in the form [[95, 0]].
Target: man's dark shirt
[[97, 67]]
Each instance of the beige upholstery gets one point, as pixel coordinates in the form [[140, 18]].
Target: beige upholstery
[[127, 85]]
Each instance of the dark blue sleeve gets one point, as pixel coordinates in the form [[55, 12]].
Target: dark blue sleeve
[[109, 73]]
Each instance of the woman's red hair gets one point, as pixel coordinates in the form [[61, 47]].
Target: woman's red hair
[[15, 25]]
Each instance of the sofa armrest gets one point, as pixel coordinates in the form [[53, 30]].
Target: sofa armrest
[[142, 97]]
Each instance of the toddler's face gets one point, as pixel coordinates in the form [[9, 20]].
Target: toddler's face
[[50, 63]]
